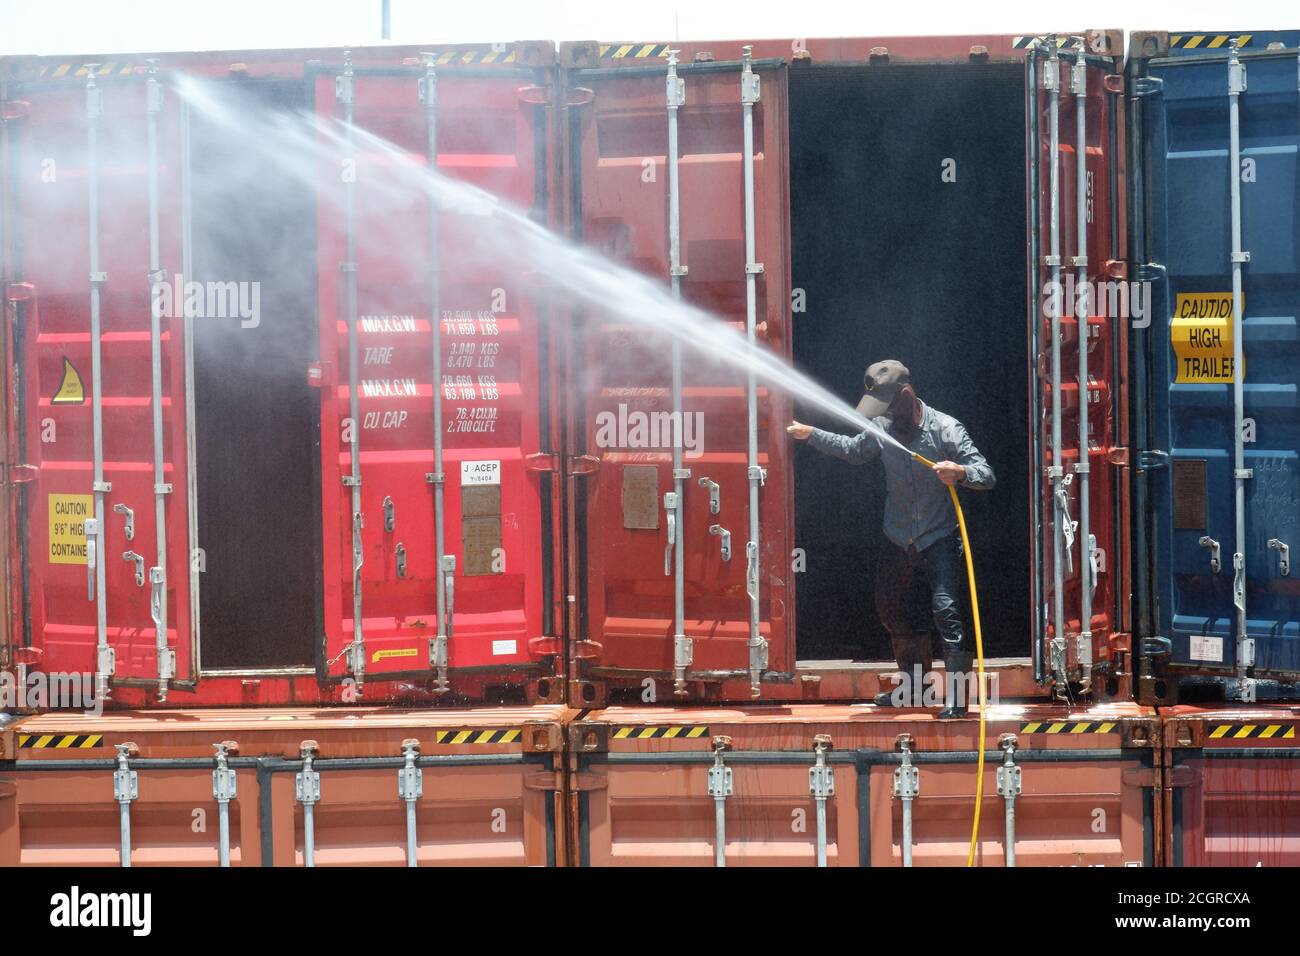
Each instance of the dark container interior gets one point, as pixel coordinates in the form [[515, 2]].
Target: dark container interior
[[896, 262]]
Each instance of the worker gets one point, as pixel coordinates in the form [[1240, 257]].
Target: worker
[[921, 532]]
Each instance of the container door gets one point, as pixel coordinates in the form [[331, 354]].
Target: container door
[[98, 441], [622, 392], [1080, 303], [434, 445], [1223, 556]]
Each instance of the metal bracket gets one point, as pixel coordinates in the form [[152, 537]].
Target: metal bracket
[[224, 783], [821, 776], [907, 777], [1243, 473], [670, 511], [139, 566], [1079, 77], [399, 554], [306, 783], [1152, 459], [715, 494], [130, 520], [1236, 75], [1284, 555], [757, 473], [1216, 563], [721, 784], [1008, 776], [1240, 256], [1147, 86], [410, 778], [390, 516], [725, 535], [126, 782], [351, 481]]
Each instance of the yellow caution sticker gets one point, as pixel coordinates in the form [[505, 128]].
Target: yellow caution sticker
[[71, 391], [396, 652], [68, 514], [1201, 334]]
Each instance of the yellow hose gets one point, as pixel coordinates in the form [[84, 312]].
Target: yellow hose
[[979, 657]]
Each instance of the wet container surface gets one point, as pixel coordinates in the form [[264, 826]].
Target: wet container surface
[[647, 786], [488, 787]]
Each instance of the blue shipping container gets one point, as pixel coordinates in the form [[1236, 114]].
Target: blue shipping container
[[1186, 499]]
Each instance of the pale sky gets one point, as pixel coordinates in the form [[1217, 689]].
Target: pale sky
[[122, 26]]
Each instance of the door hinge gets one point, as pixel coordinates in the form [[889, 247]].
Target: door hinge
[[1150, 272], [1118, 456], [542, 461], [583, 464], [1147, 86], [1151, 459], [536, 95], [544, 646], [579, 96], [1113, 82], [1153, 645], [17, 474]]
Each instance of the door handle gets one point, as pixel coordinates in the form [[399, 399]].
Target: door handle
[[130, 520], [1283, 556], [715, 494], [1215, 554], [139, 566], [725, 535], [91, 527], [670, 511]]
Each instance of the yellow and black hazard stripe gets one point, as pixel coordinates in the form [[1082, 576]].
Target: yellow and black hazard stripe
[[499, 735], [482, 53], [1062, 43], [1253, 732], [1070, 727], [678, 732], [69, 71], [633, 51], [59, 741], [1206, 41]]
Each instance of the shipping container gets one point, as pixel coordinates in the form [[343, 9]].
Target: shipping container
[[284, 787], [838, 785], [328, 475], [894, 211], [1232, 786], [1215, 131]]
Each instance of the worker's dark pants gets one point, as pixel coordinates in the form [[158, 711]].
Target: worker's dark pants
[[942, 567]]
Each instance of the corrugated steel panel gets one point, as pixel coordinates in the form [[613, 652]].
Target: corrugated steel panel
[[1188, 351], [641, 793], [1232, 786], [491, 788]]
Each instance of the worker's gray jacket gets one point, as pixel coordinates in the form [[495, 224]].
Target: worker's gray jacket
[[918, 508]]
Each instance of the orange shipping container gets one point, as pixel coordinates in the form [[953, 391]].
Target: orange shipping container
[[466, 787], [1232, 793], [847, 785]]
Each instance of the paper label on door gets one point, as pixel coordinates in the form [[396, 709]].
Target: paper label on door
[[480, 473], [68, 514], [500, 648], [1207, 649]]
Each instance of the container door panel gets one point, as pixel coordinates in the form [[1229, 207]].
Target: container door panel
[[620, 144], [48, 179], [1080, 585], [1189, 210], [491, 380]]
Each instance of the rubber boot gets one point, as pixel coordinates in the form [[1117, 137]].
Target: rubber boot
[[912, 654], [957, 665]]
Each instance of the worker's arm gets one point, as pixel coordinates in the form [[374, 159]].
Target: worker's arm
[[855, 449], [976, 472]]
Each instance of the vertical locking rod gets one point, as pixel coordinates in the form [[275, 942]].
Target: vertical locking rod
[[1009, 788], [438, 651], [161, 488], [410, 788], [105, 660], [720, 787], [1056, 471], [307, 790], [1240, 473], [126, 788], [821, 784], [683, 646], [1079, 87], [344, 94], [749, 93], [224, 789], [907, 785]]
